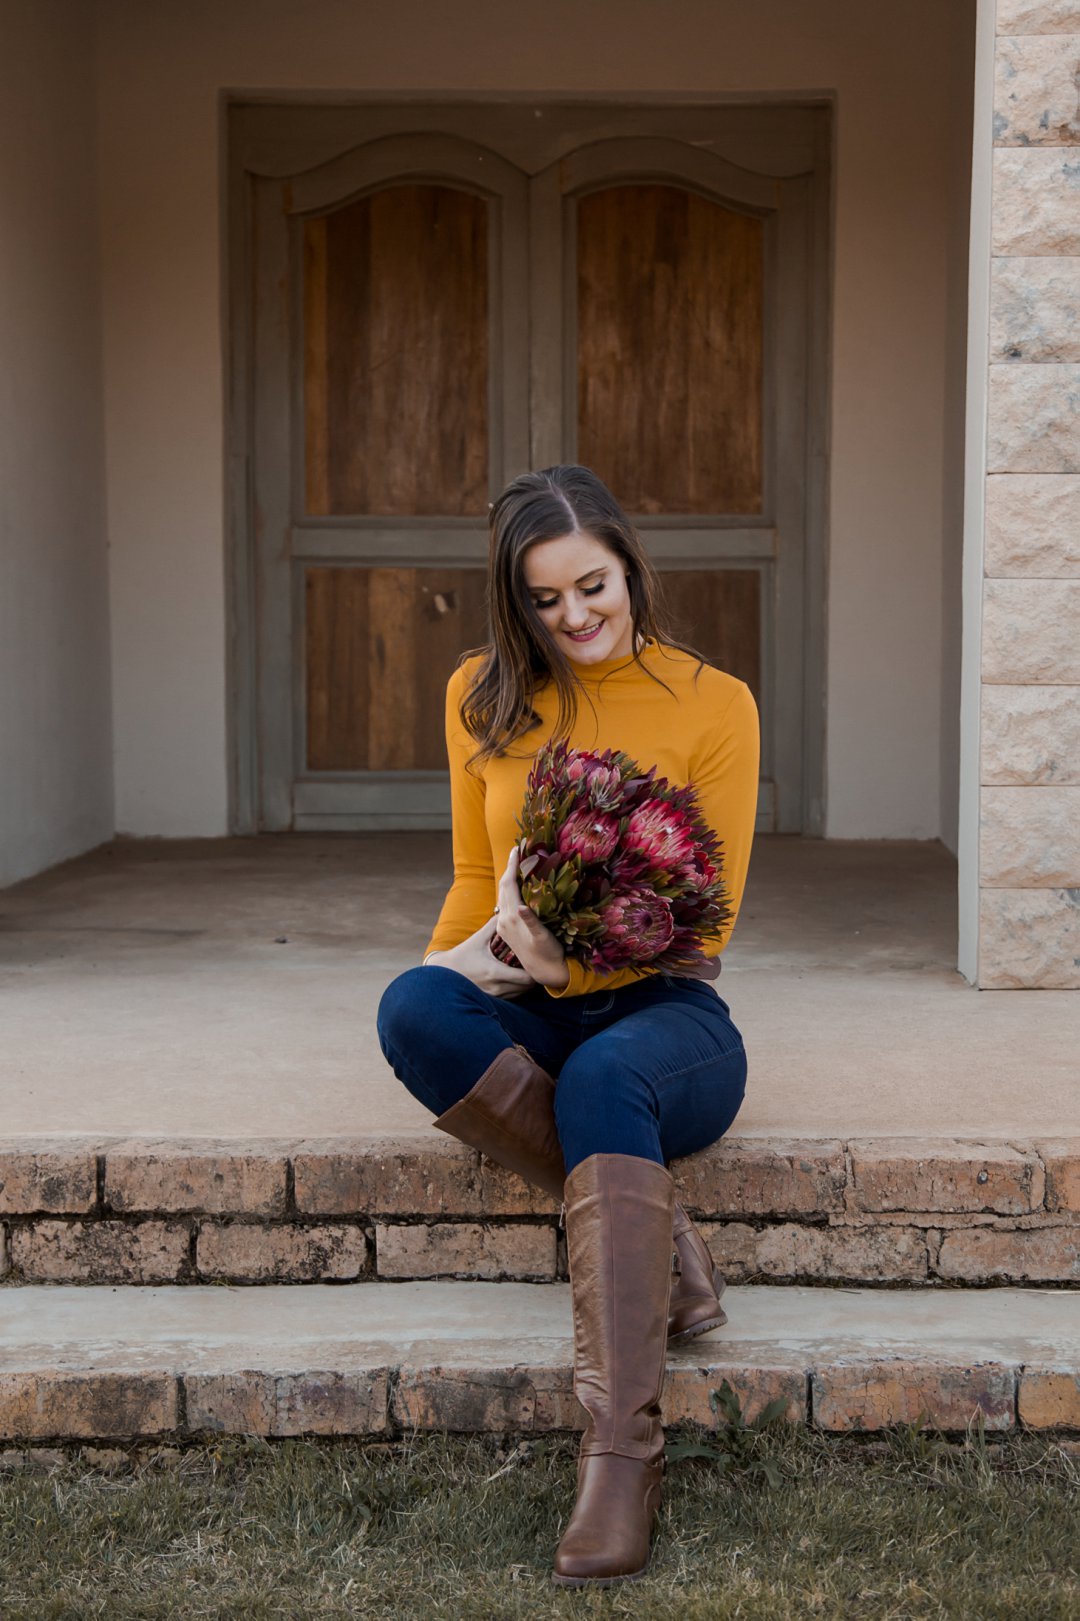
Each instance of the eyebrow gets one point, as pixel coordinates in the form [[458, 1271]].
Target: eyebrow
[[601, 568]]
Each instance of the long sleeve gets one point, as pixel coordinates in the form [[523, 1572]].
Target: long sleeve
[[725, 770], [471, 896]]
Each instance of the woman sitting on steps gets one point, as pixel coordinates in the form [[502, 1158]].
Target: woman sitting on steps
[[585, 1084]]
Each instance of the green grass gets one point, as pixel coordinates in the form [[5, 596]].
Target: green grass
[[772, 1521]]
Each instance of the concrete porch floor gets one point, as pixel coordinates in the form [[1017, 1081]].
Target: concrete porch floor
[[228, 988]]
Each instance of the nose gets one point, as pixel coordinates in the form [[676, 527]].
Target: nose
[[576, 616]]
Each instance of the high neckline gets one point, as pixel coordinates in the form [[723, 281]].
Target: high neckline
[[598, 669]]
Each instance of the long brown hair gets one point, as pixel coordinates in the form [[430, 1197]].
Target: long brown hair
[[522, 655]]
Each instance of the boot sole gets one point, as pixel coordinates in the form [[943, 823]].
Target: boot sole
[[598, 1581], [719, 1317], [717, 1320]]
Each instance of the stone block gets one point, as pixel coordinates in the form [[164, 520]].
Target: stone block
[[1033, 415], [1035, 195], [38, 1175], [249, 1253], [486, 1399], [1034, 310], [1038, 16], [1035, 79], [1030, 736], [419, 1176], [1061, 1157], [1031, 632], [857, 1253], [1029, 838], [688, 1385], [1039, 1255], [504, 1193], [1033, 524], [780, 1177], [877, 1392], [90, 1406], [465, 1249], [1029, 939], [310, 1403], [182, 1177], [100, 1251], [906, 1173], [733, 1246], [1049, 1397]]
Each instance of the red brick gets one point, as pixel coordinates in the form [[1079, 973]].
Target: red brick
[[176, 1178], [872, 1394], [688, 1384], [1049, 1397], [1045, 1255], [390, 1177], [1061, 1156], [775, 1177], [486, 1399], [464, 1249], [904, 1173], [96, 1406], [100, 1251], [316, 1403], [289, 1254], [41, 1175]]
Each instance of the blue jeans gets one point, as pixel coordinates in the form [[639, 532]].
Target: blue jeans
[[655, 1068]]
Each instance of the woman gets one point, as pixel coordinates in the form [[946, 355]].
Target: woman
[[585, 1084]]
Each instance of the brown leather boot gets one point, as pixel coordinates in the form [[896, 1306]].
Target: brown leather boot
[[509, 1114], [619, 1212]]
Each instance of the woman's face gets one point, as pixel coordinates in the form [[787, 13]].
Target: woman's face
[[579, 589]]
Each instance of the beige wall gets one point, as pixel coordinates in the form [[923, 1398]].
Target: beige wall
[[902, 94], [55, 746]]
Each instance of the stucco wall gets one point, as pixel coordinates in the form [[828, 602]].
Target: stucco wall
[[891, 496], [55, 746]]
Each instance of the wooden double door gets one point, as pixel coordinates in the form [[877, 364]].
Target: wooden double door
[[428, 300]]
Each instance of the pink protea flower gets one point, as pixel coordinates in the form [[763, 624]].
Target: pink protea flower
[[638, 926], [662, 833], [698, 871], [590, 834], [601, 778]]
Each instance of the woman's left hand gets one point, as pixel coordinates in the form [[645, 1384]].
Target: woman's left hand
[[534, 946]]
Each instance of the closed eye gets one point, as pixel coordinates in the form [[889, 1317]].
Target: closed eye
[[586, 591]]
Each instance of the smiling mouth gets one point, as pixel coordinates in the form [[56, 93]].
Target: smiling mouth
[[584, 635]]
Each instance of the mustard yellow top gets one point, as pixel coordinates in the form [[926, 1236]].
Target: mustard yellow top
[[705, 732]]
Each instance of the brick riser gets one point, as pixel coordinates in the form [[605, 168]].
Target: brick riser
[[890, 1211]]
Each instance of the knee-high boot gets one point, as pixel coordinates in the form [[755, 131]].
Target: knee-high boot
[[509, 1114], [619, 1211]]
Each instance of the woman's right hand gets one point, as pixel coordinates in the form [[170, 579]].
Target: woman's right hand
[[473, 958]]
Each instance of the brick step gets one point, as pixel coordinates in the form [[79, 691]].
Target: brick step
[[899, 1211], [384, 1358]]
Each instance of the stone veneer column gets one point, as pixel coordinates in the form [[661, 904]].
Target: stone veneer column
[[1029, 879]]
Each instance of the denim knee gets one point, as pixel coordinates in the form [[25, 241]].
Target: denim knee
[[604, 1111], [404, 1008]]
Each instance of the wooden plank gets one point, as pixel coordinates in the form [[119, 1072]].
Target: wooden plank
[[316, 369], [336, 614], [396, 354], [718, 611], [392, 655], [670, 323], [380, 646]]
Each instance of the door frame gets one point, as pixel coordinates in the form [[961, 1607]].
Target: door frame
[[267, 140]]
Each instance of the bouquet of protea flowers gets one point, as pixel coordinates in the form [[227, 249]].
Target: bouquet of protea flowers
[[619, 864]]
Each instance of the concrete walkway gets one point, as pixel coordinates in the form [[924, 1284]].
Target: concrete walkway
[[377, 1357], [228, 988]]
